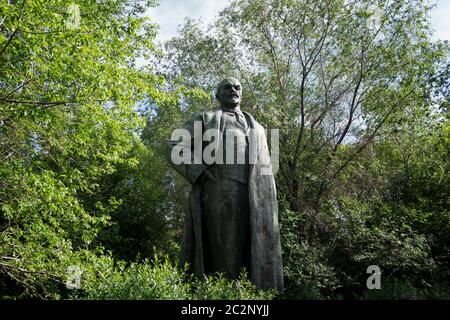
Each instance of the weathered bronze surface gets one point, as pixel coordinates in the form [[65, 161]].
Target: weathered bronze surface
[[232, 221]]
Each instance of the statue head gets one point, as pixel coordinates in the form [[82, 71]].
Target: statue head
[[229, 93]]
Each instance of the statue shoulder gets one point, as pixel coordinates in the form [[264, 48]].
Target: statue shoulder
[[197, 115], [254, 122], [208, 115], [203, 115]]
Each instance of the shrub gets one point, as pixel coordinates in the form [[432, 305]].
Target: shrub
[[160, 279], [306, 273], [401, 289]]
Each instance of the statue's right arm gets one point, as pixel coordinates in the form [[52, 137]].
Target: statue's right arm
[[189, 170]]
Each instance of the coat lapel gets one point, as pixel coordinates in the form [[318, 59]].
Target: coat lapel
[[213, 121], [266, 265]]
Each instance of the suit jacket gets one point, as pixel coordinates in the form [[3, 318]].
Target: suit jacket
[[266, 262]]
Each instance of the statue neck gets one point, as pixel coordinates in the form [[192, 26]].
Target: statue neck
[[231, 108]]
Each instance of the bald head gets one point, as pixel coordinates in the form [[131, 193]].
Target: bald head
[[229, 93]]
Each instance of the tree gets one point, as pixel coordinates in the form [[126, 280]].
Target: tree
[[337, 78], [68, 90]]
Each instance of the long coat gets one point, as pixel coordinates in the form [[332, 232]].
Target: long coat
[[265, 262]]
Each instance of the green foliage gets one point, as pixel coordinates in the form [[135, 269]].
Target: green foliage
[[398, 289], [139, 225], [307, 276], [359, 93], [162, 280], [67, 99]]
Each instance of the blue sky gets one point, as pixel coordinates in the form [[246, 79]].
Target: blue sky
[[171, 13]]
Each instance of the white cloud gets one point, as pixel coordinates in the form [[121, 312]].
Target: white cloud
[[171, 13], [440, 20]]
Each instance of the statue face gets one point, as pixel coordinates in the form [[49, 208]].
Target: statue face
[[230, 92]]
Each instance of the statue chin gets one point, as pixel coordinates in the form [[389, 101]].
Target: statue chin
[[232, 103]]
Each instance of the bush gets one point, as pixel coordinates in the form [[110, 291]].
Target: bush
[[400, 289], [306, 273], [160, 279]]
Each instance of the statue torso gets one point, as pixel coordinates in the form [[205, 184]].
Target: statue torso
[[233, 150]]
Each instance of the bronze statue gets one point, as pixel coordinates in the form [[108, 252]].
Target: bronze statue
[[232, 221]]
